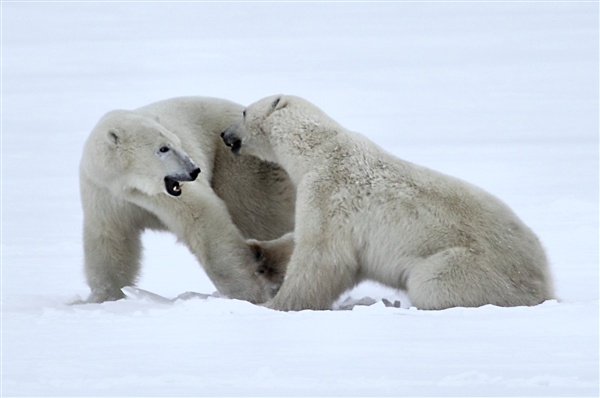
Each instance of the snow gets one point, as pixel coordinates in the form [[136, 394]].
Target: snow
[[501, 94]]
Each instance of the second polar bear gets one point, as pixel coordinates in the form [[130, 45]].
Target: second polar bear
[[164, 167], [362, 213]]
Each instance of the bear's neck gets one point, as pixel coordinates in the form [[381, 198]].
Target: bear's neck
[[304, 151]]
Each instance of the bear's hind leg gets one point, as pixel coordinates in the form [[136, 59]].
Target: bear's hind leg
[[450, 278], [457, 277]]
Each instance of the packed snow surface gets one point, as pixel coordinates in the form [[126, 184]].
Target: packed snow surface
[[501, 94]]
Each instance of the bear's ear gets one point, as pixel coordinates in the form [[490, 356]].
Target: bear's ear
[[113, 137], [279, 102]]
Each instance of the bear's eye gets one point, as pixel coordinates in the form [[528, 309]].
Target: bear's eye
[[164, 149], [244, 113]]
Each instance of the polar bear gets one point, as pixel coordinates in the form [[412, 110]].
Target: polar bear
[[362, 213], [164, 167]]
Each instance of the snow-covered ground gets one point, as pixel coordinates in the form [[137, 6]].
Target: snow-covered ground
[[504, 95]]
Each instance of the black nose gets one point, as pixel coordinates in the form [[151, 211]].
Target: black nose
[[222, 133], [194, 174]]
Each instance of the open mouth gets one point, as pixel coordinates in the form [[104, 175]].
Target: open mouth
[[172, 186], [236, 146], [234, 143]]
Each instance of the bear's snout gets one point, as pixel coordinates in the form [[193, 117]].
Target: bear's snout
[[194, 174], [232, 141], [191, 176], [172, 182]]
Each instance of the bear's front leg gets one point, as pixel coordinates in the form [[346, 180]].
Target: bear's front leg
[[315, 278], [112, 260], [112, 244]]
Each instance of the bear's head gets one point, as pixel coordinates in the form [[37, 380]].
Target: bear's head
[[127, 150], [278, 125], [251, 133]]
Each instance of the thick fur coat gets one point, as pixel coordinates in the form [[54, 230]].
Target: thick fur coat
[[362, 213], [164, 167]]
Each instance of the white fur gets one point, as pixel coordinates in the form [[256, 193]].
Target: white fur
[[362, 213], [123, 193]]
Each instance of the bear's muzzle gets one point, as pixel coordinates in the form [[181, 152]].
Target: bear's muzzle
[[172, 183]]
